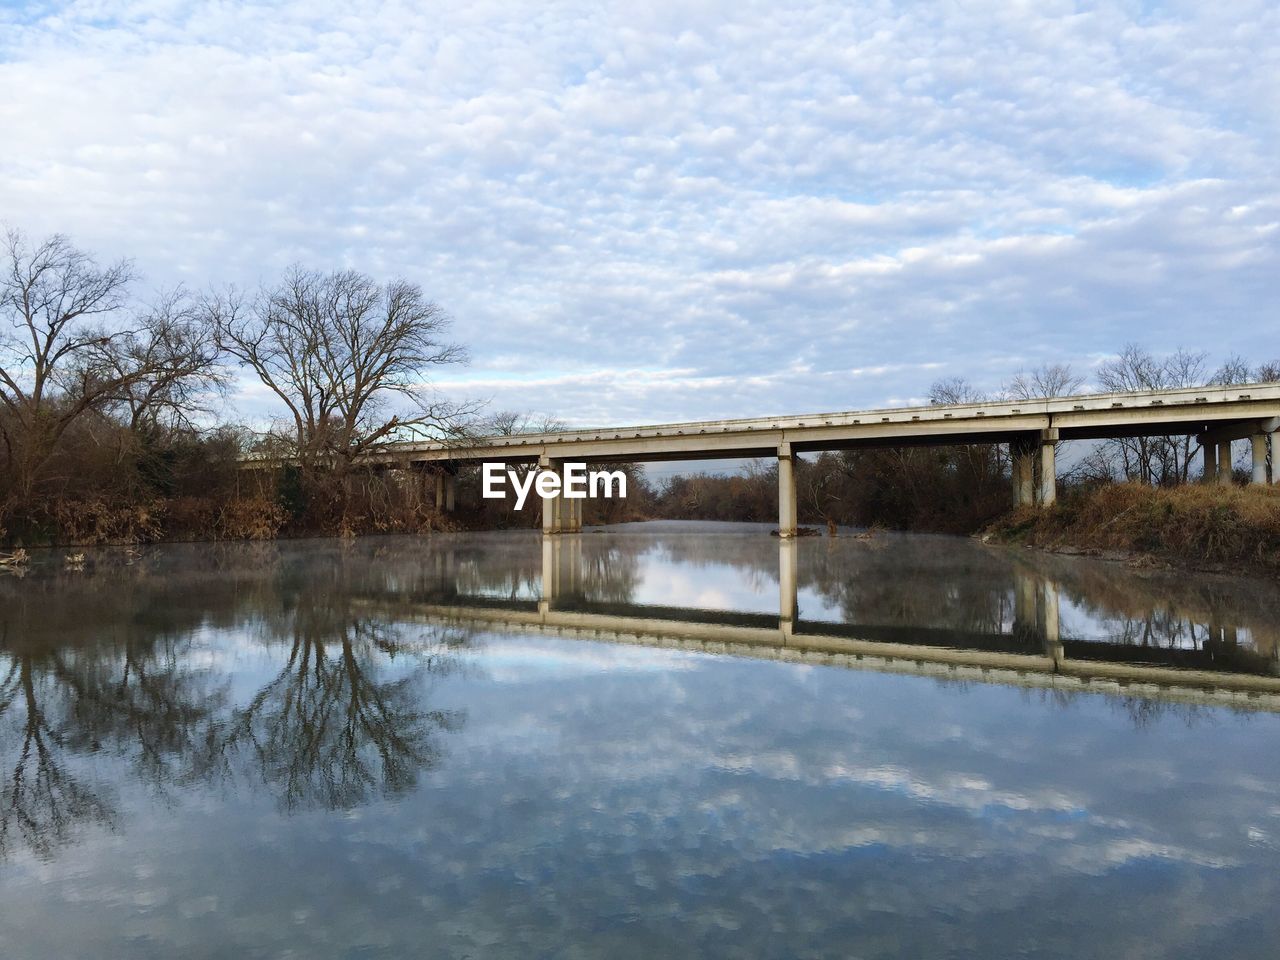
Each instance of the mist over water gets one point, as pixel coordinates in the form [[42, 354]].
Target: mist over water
[[394, 747]]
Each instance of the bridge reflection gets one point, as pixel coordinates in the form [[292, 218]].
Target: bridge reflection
[[589, 593]]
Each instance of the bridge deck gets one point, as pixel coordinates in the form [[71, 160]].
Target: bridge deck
[[1225, 412]]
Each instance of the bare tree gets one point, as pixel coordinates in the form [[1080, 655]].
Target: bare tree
[[1153, 460], [954, 390], [1134, 368], [51, 351], [337, 349], [513, 423], [974, 459], [1042, 382], [1234, 370], [178, 351], [1268, 372], [64, 359], [1046, 380]]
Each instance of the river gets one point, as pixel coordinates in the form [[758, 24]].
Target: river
[[653, 740]]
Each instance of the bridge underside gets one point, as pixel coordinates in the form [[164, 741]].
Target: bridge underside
[[1033, 455]]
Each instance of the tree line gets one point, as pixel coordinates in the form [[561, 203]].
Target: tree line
[[109, 406]]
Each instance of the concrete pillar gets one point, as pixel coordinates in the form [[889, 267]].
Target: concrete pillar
[[1275, 457], [550, 505], [570, 512], [450, 492], [1258, 443], [1048, 474], [439, 491], [788, 587], [1210, 449], [1224, 462], [786, 492], [570, 509], [559, 514], [1022, 455]]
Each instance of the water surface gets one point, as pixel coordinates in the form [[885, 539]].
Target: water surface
[[394, 747]]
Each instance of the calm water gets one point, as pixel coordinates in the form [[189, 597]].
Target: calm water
[[487, 746]]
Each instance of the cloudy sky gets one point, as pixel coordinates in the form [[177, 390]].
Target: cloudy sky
[[667, 210]]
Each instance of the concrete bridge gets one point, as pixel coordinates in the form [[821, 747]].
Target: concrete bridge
[[1216, 416]]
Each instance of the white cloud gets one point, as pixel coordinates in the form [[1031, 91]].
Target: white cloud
[[723, 208]]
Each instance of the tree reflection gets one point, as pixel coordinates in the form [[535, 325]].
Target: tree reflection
[[41, 801], [328, 730], [135, 697], [108, 681]]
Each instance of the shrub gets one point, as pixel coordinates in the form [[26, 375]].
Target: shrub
[[249, 518], [1191, 524]]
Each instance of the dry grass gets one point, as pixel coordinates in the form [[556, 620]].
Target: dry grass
[[249, 518], [97, 521], [1193, 525]]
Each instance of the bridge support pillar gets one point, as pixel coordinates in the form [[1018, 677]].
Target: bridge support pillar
[[1210, 449], [570, 515], [1023, 458], [1258, 443], [1275, 457], [1048, 469], [450, 492], [560, 514], [786, 492], [1225, 462], [550, 505]]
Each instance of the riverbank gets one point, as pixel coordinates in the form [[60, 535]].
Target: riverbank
[[1204, 527], [1222, 529], [99, 522]]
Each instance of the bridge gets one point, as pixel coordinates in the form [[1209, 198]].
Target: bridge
[[1217, 416]]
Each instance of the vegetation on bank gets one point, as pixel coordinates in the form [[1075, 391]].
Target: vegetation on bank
[[109, 405], [1192, 525]]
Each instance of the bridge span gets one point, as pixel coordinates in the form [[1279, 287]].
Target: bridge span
[[1217, 416]]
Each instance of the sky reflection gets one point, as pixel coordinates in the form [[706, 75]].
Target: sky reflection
[[258, 764]]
